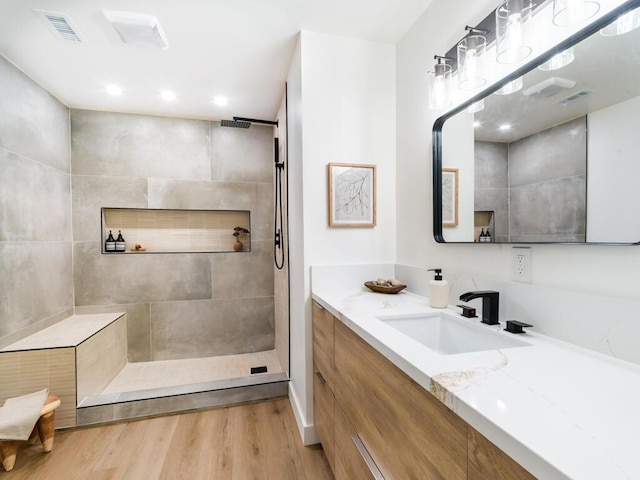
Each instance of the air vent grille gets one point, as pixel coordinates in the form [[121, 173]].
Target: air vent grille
[[62, 25], [576, 96]]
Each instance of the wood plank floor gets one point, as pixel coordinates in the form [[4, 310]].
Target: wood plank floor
[[251, 441]]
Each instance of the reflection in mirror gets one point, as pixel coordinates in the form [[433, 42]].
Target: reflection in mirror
[[557, 161]]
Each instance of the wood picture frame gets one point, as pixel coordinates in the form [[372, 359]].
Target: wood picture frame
[[352, 195], [449, 197]]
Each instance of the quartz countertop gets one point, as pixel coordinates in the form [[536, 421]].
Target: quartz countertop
[[70, 332], [559, 410]]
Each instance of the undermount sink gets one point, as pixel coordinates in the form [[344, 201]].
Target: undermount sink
[[448, 335]]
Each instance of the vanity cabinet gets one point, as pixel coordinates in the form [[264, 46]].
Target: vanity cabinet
[[376, 422]]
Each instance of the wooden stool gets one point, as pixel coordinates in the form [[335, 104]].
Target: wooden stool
[[45, 427]]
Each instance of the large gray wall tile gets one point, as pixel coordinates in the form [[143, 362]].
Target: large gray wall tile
[[117, 144], [36, 282], [558, 152], [242, 155], [550, 208], [201, 195], [244, 275], [105, 279], [33, 123], [91, 193], [491, 165], [209, 328], [34, 201], [138, 327]]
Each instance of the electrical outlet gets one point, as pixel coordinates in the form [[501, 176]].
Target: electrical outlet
[[521, 264]]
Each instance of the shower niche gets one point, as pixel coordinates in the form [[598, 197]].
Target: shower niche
[[176, 231]]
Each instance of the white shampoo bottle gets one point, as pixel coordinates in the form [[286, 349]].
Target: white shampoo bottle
[[438, 290]]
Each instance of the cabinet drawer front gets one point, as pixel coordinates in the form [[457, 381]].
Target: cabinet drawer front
[[350, 465], [488, 462], [323, 343], [409, 433], [323, 415]]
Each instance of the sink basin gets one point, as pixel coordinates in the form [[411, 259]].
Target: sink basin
[[448, 335]]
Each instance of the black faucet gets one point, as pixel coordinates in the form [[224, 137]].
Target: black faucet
[[490, 304]]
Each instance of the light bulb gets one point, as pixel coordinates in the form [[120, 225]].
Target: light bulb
[[624, 24]]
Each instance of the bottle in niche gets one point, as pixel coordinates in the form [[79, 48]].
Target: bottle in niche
[[120, 245], [482, 237], [487, 237], [110, 243]]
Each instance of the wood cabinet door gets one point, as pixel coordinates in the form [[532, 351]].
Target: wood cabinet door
[[408, 432], [350, 463], [323, 415], [488, 462], [323, 343]]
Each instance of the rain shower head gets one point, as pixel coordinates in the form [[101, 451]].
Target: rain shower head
[[234, 124], [242, 122]]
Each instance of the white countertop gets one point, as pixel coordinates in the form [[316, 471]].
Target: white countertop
[[559, 410], [70, 332]]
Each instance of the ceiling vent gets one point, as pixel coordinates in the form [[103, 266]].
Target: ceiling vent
[[549, 87], [576, 96], [61, 25], [137, 29]]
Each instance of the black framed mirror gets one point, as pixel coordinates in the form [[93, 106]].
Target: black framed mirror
[[565, 171]]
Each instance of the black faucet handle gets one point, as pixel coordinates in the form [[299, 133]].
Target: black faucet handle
[[514, 326]]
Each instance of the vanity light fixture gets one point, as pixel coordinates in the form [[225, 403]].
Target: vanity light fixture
[[624, 24], [476, 107], [558, 61], [512, 87], [470, 59], [510, 39], [567, 13], [439, 81], [113, 90]]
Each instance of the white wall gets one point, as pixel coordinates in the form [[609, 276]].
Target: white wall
[[613, 145], [602, 270], [341, 109]]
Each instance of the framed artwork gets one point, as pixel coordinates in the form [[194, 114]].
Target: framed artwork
[[449, 197], [352, 195]]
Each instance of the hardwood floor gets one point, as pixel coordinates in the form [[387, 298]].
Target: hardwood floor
[[253, 441]]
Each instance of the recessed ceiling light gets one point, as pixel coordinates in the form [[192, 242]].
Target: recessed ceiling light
[[168, 95], [476, 124], [505, 126], [114, 90], [220, 100]]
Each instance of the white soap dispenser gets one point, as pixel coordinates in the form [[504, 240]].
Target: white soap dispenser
[[438, 290]]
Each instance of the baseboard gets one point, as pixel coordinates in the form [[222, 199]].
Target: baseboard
[[307, 432]]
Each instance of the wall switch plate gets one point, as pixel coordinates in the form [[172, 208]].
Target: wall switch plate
[[521, 264]]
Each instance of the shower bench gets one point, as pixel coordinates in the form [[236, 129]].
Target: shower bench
[[74, 358]]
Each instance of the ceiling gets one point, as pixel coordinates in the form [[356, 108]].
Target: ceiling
[[237, 48]]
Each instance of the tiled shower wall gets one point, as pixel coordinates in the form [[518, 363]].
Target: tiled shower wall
[[35, 207], [178, 305], [536, 186]]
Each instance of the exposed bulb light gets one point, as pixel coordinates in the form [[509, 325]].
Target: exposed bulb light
[[511, 87], [476, 107], [220, 100], [168, 95], [470, 59], [558, 61], [510, 19], [439, 81], [623, 24], [113, 90], [567, 13]]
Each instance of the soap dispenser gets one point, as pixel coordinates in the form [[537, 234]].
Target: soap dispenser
[[438, 290]]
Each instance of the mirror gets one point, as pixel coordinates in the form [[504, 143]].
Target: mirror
[[566, 168]]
